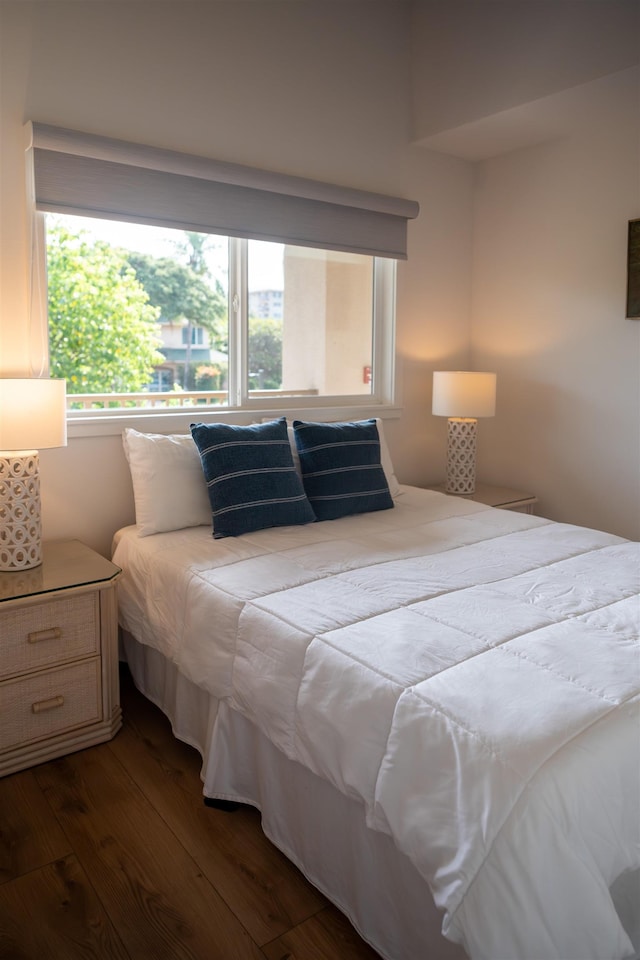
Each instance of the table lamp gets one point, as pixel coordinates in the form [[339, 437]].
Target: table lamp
[[33, 416], [463, 396]]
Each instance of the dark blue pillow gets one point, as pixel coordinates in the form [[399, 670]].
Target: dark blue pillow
[[341, 468], [250, 476]]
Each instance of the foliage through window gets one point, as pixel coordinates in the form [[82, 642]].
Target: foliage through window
[[142, 316]]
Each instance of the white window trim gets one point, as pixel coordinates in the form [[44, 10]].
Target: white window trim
[[242, 407], [179, 422]]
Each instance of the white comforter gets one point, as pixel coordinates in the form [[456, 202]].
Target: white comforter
[[470, 675]]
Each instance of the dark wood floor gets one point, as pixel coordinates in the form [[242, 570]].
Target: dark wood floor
[[111, 853]]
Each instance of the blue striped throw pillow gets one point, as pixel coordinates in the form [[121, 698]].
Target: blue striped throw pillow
[[251, 480], [341, 468]]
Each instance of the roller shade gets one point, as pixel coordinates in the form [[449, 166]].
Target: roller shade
[[86, 174]]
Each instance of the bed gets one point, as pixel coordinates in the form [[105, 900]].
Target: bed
[[434, 706]]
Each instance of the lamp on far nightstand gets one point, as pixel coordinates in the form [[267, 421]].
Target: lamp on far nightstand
[[463, 396], [33, 416]]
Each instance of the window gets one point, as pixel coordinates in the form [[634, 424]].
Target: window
[[193, 335], [146, 311], [135, 309]]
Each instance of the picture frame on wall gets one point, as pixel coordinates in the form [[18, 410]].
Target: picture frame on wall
[[633, 271]]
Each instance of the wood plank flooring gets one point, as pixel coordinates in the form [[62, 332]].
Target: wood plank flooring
[[111, 853]]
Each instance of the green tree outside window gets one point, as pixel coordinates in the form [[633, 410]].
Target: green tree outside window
[[103, 332]]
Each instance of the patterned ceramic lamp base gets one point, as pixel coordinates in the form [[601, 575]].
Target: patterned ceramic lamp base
[[20, 523], [461, 454]]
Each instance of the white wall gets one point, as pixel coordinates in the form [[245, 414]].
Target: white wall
[[473, 59], [548, 313], [317, 89], [323, 89]]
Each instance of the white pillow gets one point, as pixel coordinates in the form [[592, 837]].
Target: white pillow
[[387, 464], [169, 487]]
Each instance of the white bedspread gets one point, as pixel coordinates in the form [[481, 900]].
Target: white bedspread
[[471, 675]]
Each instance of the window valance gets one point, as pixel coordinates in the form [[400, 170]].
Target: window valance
[[82, 173]]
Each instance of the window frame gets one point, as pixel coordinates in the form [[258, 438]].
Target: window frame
[[242, 407], [197, 336]]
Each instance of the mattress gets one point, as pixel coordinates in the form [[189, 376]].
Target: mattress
[[468, 675]]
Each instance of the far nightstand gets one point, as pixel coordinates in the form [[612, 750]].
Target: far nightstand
[[59, 688], [501, 497]]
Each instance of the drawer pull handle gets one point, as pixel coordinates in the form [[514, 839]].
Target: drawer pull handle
[[49, 704], [53, 634]]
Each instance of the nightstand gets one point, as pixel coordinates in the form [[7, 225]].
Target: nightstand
[[59, 688], [501, 497]]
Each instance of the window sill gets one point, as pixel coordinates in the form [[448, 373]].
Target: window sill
[[179, 421]]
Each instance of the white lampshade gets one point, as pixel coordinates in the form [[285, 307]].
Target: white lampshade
[[33, 413], [458, 393]]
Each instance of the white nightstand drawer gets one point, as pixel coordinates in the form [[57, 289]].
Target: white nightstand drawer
[[58, 656], [49, 702], [46, 633]]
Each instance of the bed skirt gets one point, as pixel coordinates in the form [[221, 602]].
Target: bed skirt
[[319, 829]]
